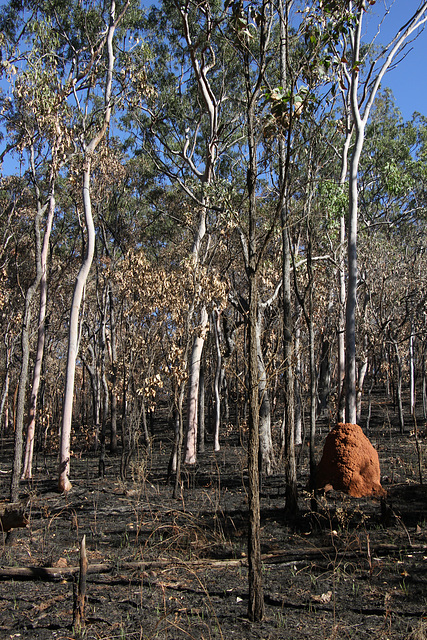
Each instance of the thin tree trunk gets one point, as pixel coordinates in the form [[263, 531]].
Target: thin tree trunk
[[399, 387], [193, 393], [288, 437], [342, 276], [216, 318], [25, 346], [297, 384], [95, 383], [22, 386], [256, 593], [29, 448], [351, 406], [360, 382], [256, 596], [411, 372], [266, 442], [202, 435], [64, 483], [424, 386], [5, 391], [179, 441], [105, 392], [341, 327], [113, 403], [324, 383], [312, 360]]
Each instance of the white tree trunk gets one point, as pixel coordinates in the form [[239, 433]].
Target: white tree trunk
[[193, 391], [216, 316], [412, 371], [265, 439], [29, 447], [64, 483], [341, 325], [360, 117]]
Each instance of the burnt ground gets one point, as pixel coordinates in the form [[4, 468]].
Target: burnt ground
[[171, 569]]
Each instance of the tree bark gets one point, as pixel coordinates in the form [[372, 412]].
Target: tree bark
[[201, 430], [193, 393], [64, 483], [266, 442], [216, 319], [288, 438], [41, 333], [256, 596], [256, 593], [80, 589], [25, 346], [113, 379]]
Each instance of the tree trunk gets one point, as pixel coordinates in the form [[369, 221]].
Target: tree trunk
[[341, 327], [256, 593], [202, 435], [266, 442], [411, 372], [424, 386], [351, 406], [193, 392], [22, 386], [256, 596], [297, 390], [64, 483], [105, 392], [95, 383], [324, 383], [179, 441], [288, 438], [342, 275], [313, 399], [29, 448], [113, 379], [5, 391], [25, 345], [216, 318], [360, 382], [399, 387]]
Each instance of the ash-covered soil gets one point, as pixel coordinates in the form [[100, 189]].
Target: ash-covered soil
[[171, 569]]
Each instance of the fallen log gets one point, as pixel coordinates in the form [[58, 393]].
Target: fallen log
[[49, 573], [285, 557]]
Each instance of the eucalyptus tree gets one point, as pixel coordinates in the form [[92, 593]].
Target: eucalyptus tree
[[74, 67], [392, 222], [251, 31], [300, 103], [362, 90], [187, 126], [36, 128], [97, 53], [18, 290]]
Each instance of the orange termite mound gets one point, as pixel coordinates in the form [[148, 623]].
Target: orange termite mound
[[350, 463]]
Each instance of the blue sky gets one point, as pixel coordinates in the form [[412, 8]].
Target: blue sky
[[408, 80]]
